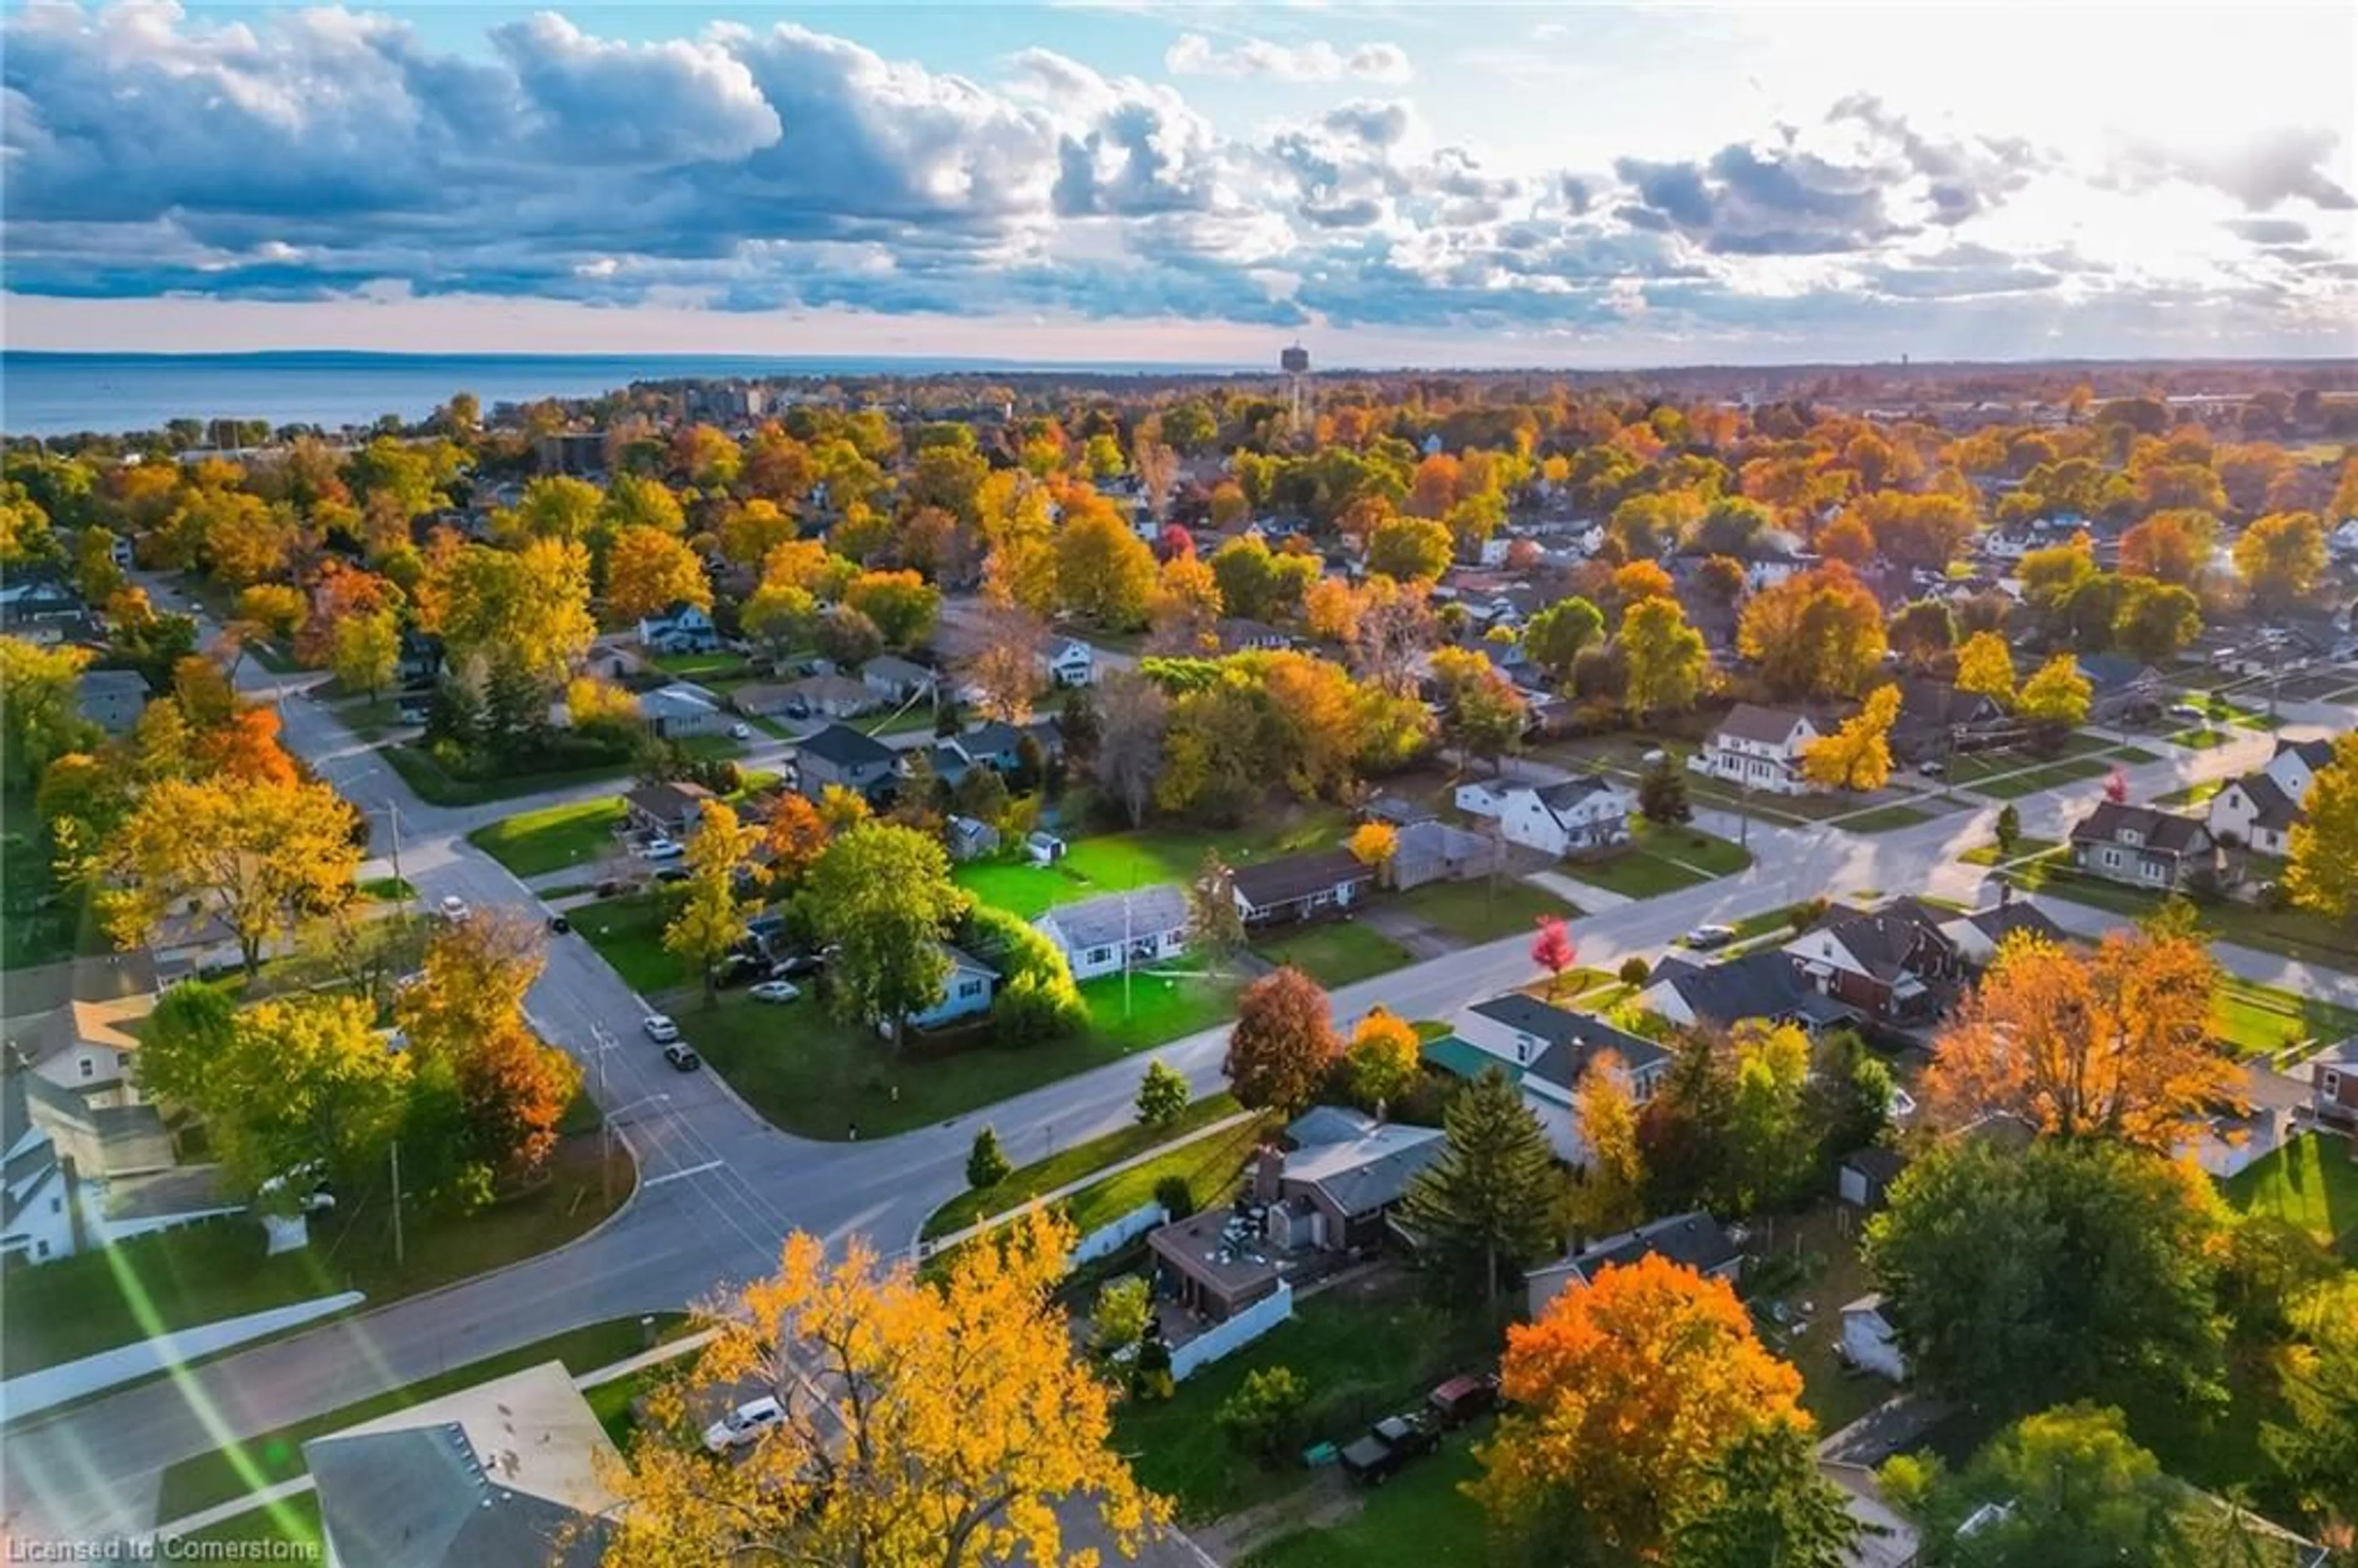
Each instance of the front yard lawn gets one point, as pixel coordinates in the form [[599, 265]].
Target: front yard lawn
[[422, 773], [2037, 777], [1484, 909], [627, 934], [1335, 953], [1883, 819], [1023, 1184], [1661, 859], [719, 665], [2253, 1020], [1114, 862], [2200, 739], [552, 838], [1367, 1349], [2024, 849], [1212, 1167], [270, 1457], [178, 1279], [1160, 1008], [2310, 1181]]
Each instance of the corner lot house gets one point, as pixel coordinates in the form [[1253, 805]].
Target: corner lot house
[[1759, 748], [1295, 887], [1766, 985], [1120, 930], [2259, 809], [681, 629], [1695, 1239], [1893, 964], [840, 755], [1579, 814], [966, 993], [2142, 847], [1069, 662]]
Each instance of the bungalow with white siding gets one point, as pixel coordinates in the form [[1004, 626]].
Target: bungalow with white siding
[[1549, 1053], [1581, 813], [1106, 935], [1069, 662], [1759, 748], [966, 993], [2259, 809], [677, 710]]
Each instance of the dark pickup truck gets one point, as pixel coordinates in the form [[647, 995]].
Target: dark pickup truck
[[1389, 1445]]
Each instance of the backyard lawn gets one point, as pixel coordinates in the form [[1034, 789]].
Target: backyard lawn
[[1159, 1009], [2310, 1182], [1365, 1349], [1418, 1520], [1484, 909], [552, 838], [2253, 1020], [1025, 1183], [270, 1457], [1116, 862], [1661, 859], [1809, 1258], [79, 1305], [1335, 952]]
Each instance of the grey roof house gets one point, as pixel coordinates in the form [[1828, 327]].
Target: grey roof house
[[843, 756], [2143, 847], [1694, 1240], [1115, 931]]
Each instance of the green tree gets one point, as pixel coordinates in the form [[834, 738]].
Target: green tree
[[1662, 794], [710, 919], [41, 707], [1163, 1095], [2009, 830], [1555, 637], [2323, 874], [1666, 658], [187, 1043], [883, 893], [2316, 1443], [2075, 1269], [1489, 1202], [2154, 621], [986, 1163], [1036, 998], [1406, 549], [303, 1079], [1124, 1312], [1764, 1504], [902, 605], [1264, 1416], [366, 651]]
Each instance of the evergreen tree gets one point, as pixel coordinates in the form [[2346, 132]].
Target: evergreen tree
[[1766, 1504], [1662, 795], [1491, 1199], [986, 1163]]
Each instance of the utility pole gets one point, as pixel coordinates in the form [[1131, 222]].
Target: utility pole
[[1125, 953], [393, 814], [397, 1203], [605, 1122]]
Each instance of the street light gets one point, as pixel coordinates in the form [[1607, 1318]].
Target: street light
[[609, 1131]]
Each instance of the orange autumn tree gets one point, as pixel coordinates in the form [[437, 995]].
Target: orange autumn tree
[[793, 838], [927, 1426], [2112, 1044], [1624, 1395]]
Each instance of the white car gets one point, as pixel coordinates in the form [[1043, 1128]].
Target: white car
[[663, 850], [1705, 938], [774, 990], [2186, 710], [454, 908], [744, 1424], [741, 731], [661, 1029]]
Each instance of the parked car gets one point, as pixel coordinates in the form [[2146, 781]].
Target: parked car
[[672, 874], [1704, 938], [1389, 1445], [776, 991], [559, 924], [741, 731], [661, 1029], [453, 908], [799, 964], [1460, 1399], [681, 1057], [663, 850], [1932, 769], [2186, 711], [744, 1424]]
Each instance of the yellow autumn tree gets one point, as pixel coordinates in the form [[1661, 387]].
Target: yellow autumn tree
[[2112, 1044], [1986, 665], [1374, 844], [1609, 1196], [1623, 1395], [1381, 1057], [1858, 755], [926, 1426]]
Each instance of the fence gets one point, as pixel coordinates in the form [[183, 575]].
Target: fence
[[1108, 1239], [1223, 1338]]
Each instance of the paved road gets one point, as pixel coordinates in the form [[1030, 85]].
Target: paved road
[[719, 1189]]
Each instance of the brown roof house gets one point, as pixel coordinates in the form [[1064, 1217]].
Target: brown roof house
[[670, 809], [1295, 887]]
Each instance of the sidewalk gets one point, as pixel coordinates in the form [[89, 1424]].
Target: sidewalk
[[1582, 896]]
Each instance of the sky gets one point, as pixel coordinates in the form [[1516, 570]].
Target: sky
[[1388, 184]]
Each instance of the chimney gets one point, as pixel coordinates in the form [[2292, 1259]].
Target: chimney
[[1268, 1168]]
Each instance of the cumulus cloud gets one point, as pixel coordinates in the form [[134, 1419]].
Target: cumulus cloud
[[1748, 200], [2262, 173], [1317, 61]]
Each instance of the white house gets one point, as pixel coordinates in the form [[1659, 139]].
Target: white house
[[1585, 812], [1547, 1052], [1759, 748], [897, 679], [1105, 935], [965, 994], [85, 1047], [679, 710], [681, 629], [1069, 662], [2259, 809]]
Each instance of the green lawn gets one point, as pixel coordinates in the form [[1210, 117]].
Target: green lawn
[[627, 934], [268, 1458], [1212, 1167], [2201, 740], [2310, 1182], [1068, 1165], [1883, 819], [175, 1278], [719, 665], [1419, 1518], [1483, 910], [286, 1531], [2044, 776], [1661, 859], [1831, 1273], [422, 773], [1116, 862], [1335, 952], [1159, 1007], [552, 838], [386, 889], [1366, 1351], [369, 720], [39, 923], [917, 716], [2254, 1020], [2023, 849]]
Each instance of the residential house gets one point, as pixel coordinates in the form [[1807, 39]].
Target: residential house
[[74, 1173], [1069, 662], [1767, 984], [1115, 931], [2333, 1085], [1396, 811], [112, 700], [829, 697], [994, 744], [1432, 851], [1238, 635], [897, 680], [1868, 1341], [681, 628], [84, 1047], [2258, 810], [37, 1200], [1334, 1194], [1935, 719], [841, 755], [1864, 1178], [1295, 887], [668, 810], [1975, 936], [969, 838], [965, 994], [1893, 965], [679, 711], [1695, 1240], [1759, 748], [569, 452], [40, 604], [509, 1471], [763, 699], [1572, 816], [1547, 1052], [2119, 690], [2143, 847]]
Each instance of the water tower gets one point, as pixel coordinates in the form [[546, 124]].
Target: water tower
[[1295, 362]]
